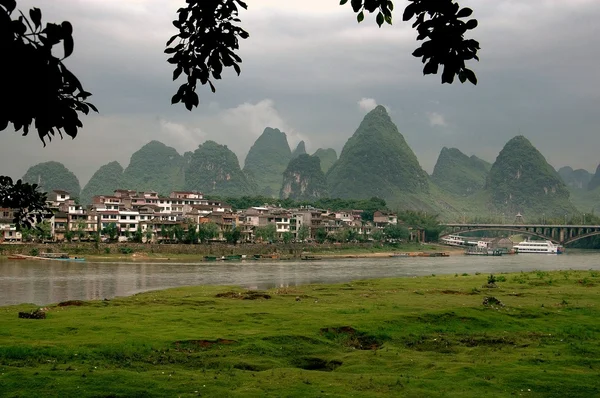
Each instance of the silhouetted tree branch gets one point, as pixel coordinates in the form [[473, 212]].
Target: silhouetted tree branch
[[209, 35], [36, 84]]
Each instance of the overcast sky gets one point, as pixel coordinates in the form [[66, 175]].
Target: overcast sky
[[310, 70]]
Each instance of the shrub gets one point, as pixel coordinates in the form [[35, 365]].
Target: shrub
[[35, 251], [126, 250]]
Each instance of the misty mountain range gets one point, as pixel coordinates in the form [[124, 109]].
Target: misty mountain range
[[375, 162]]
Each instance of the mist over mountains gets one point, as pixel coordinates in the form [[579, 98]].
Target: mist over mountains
[[376, 161]]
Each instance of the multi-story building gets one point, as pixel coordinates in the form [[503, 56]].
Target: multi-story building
[[8, 230]]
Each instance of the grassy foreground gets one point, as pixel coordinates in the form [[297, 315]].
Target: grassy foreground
[[429, 336]]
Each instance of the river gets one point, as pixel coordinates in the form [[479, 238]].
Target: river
[[46, 282]]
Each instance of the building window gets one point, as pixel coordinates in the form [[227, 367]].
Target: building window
[[132, 217], [131, 225]]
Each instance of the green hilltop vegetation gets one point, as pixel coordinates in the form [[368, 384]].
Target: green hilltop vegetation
[[521, 181], [328, 158], [377, 161], [575, 179], [104, 182], [267, 160], [303, 179], [155, 167], [459, 174], [215, 170], [53, 175], [594, 180], [300, 150]]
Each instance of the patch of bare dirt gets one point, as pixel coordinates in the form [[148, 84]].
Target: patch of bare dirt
[[247, 295]]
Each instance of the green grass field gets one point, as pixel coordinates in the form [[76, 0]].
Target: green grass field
[[417, 337]]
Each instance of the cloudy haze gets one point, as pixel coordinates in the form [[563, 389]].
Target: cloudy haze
[[311, 71]]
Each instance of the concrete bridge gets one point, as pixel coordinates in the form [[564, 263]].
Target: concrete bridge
[[562, 234]]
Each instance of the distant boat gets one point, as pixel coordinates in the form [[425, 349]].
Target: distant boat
[[48, 257], [308, 257], [539, 247], [210, 258], [483, 251], [274, 256], [435, 254], [457, 240], [232, 257]]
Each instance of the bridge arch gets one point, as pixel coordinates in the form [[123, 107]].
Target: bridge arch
[[509, 229], [576, 238]]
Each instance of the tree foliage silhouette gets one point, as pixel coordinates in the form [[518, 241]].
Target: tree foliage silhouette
[[209, 36], [38, 84]]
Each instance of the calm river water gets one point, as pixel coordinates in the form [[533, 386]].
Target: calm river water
[[46, 282]]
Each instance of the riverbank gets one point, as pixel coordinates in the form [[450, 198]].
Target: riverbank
[[181, 252], [532, 334]]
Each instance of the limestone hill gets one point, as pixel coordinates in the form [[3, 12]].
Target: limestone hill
[[459, 173], [303, 179], [53, 175], [215, 170], [105, 181], [521, 181], [377, 161], [267, 160]]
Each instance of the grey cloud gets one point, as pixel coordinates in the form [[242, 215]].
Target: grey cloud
[[536, 77]]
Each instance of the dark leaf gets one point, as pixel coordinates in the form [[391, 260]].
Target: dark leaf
[[360, 17], [463, 13], [471, 24], [212, 87], [430, 68], [177, 72], [342, 2], [356, 5], [10, 5], [470, 76], [171, 40], [93, 107], [36, 17], [68, 45], [67, 28], [409, 12], [380, 19]]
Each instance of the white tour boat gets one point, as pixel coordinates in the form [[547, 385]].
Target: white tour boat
[[539, 246], [454, 240]]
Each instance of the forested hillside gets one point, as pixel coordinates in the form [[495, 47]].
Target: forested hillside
[[267, 160], [155, 167], [105, 181], [215, 170], [521, 181], [53, 175], [459, 173], [328, 158], [377, 161], [303, 179]]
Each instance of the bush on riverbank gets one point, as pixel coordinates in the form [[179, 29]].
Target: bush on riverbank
[[213, 249], [428, 336]]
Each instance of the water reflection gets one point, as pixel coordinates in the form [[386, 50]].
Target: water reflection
[[42, 282]]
